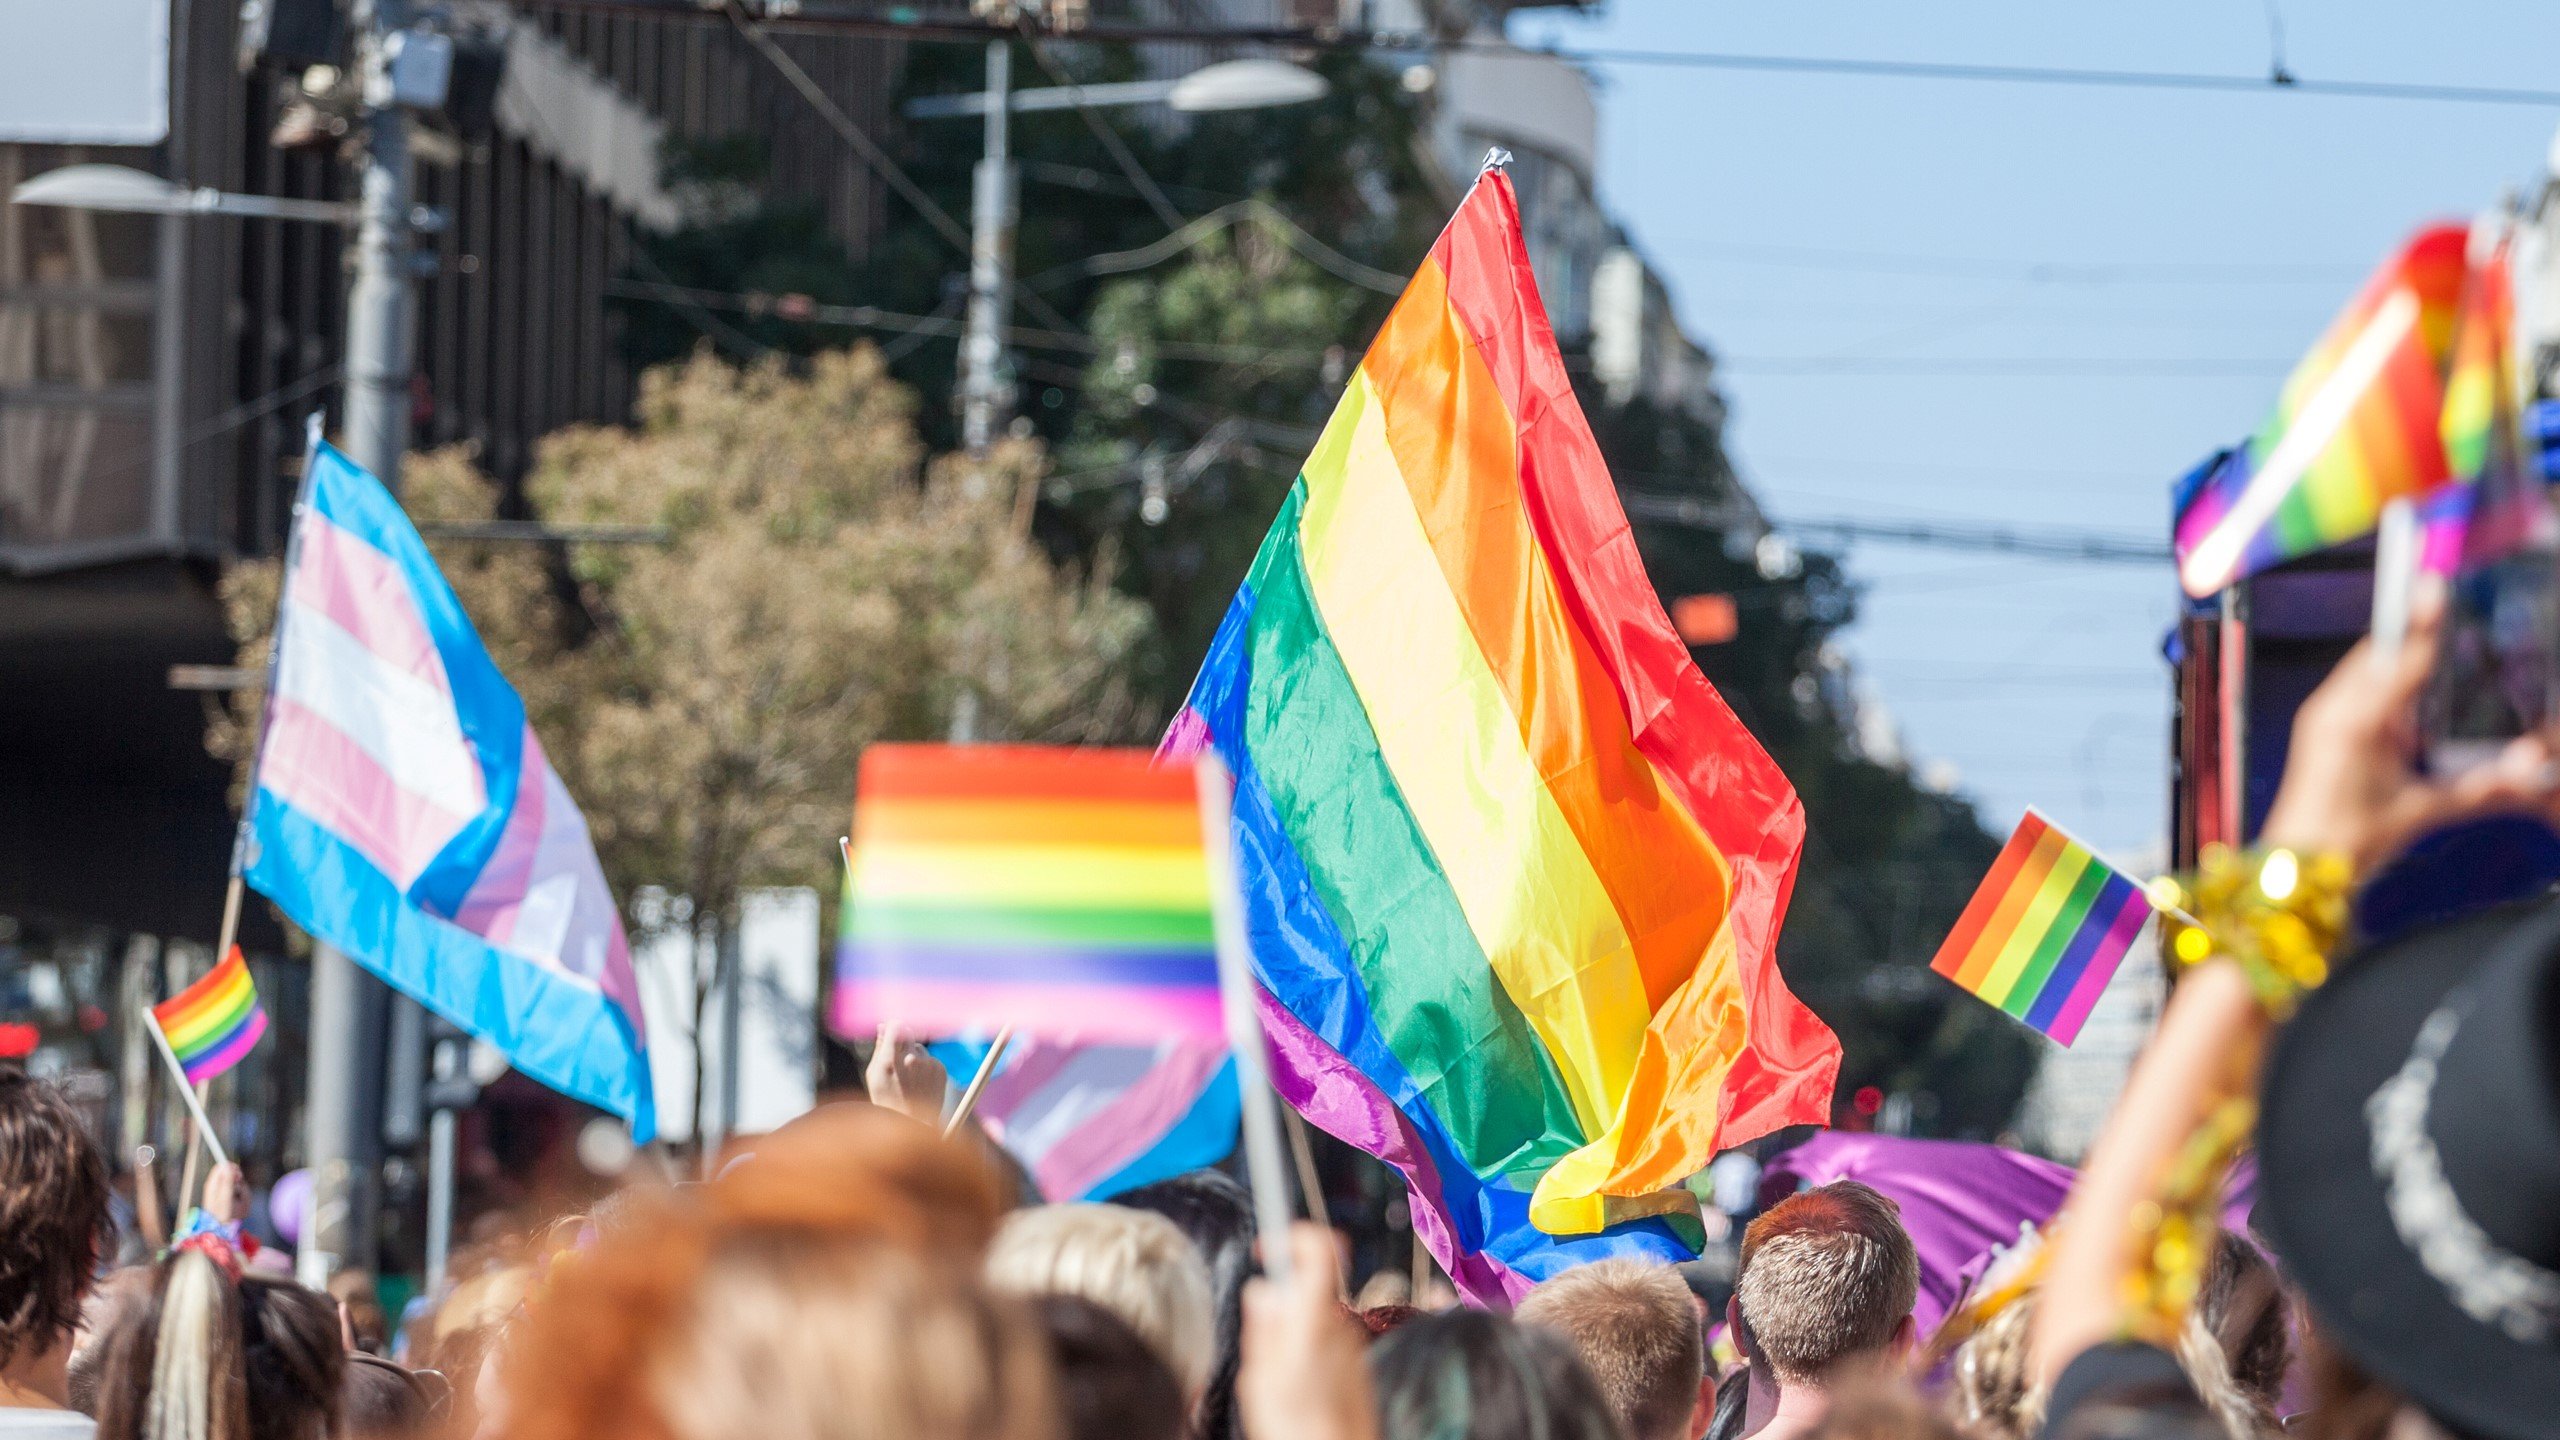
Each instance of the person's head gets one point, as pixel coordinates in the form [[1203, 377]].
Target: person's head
[[384, 1401], [114, 1302], [1827, 1282], [212, 1354], [1484, 1376], [824, 1289], [1991, 1394], [1217, 1213], [54, 1220], [1133, 1263], [1111, 1383], [1636, 1327], [2242, 1306]]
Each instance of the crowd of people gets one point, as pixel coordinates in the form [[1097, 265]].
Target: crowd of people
[[858, 1275]]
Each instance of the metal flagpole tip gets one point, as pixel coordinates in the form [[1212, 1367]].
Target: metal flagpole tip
[[1495, 159]]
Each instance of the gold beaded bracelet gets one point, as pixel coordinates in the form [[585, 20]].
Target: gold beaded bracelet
[[2276, 914]]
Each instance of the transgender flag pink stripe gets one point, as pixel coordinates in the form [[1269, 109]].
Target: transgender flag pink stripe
[[497, 897], [311, 765], [1130, 1125], [365, 593]]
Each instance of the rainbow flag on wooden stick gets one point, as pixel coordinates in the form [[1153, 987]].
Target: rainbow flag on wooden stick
[[1063, 892], [1513, 871], [2046, 931], [211, 1024]]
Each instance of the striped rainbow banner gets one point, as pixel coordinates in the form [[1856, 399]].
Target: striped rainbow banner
[[212, 1024], [1513, 872], [2046, 930], [1063, 892]]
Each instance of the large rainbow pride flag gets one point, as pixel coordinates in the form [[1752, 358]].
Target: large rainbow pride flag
[[1513, 871]]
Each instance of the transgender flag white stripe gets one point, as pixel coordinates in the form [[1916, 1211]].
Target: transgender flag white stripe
[[311, 765], [365, 593], [405, 725]]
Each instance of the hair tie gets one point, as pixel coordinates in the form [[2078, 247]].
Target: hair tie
[[213, 1247]]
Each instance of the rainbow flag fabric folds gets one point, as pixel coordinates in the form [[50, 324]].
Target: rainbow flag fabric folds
[[2356, 427], [2046, 930], [2489, 506], [1064, 892], [1513, 871], [214, 1023]]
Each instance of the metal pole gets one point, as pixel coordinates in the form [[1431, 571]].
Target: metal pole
[[349, 1008], [168, 375], [440, 1128], [991, 215], [733, 967]]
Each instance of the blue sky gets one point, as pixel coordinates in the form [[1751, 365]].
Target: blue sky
[[1814, 217]]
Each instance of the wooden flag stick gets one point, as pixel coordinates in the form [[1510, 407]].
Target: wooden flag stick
[[1302, 1150], [978, 1083], [147, 1215]]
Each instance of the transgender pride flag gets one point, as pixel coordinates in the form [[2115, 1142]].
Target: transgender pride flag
[[404, 812]]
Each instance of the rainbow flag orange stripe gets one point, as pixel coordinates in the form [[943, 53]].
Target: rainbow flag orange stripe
[[211, 1024], [2046, 930]]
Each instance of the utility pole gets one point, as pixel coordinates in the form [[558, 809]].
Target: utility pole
[[983, 387], [350, 1009]]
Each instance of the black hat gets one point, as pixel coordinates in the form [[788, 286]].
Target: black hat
[[2409, 1166]]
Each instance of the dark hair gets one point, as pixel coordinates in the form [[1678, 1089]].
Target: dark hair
[[380, 1398], [1217, 1213], [1478, 1374], [54, 1221], [1733, 1401], [268, 1349], [2242, 1306], [1111, 1383], [111, 1305]]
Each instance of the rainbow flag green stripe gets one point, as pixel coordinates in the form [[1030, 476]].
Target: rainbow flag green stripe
[[2046, 930], [1066, 924], [1476, 1061]]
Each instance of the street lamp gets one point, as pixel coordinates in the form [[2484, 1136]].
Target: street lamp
[[1229, 85], [136, 192]]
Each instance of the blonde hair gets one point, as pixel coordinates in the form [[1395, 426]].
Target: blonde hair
[[1990, 1396], [1827, 1275], [1636, 1327], [1134, 1263]]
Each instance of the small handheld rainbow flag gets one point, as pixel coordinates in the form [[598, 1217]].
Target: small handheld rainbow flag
[[211, 1024], [1063, 892], [2046, 931]]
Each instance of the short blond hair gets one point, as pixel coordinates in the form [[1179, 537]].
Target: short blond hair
[[1827, 1275], [1636, 1327], [1134, 1263]]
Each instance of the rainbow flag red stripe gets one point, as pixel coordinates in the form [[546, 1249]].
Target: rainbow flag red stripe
[[1064, 892], [2046, 930], [211, 1024]]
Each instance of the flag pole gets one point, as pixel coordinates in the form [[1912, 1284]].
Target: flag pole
[[187, 1092], [977, 1083], [1303, 1151], [2126, 871], [1244, 1027]]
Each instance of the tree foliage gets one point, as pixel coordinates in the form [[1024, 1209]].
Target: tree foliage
[[821, 584]]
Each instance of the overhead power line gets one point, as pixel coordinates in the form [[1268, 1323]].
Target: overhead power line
[[2038, 542], [906, 22]]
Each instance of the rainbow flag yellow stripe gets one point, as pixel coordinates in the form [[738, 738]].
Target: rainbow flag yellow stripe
[[211, 1024], [2046, 930]]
